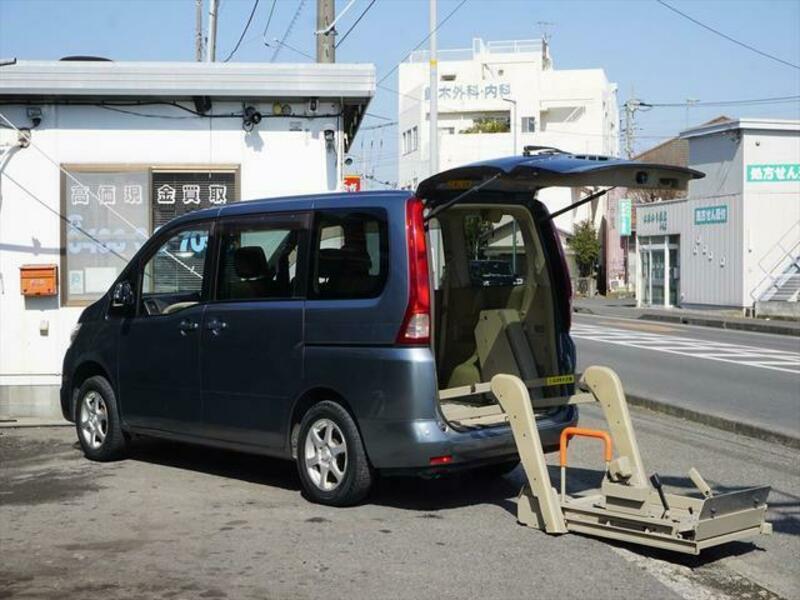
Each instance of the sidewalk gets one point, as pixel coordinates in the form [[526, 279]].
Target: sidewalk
[[723, 319]]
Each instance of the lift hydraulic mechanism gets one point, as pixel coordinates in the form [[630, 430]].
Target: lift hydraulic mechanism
[[628, 506]]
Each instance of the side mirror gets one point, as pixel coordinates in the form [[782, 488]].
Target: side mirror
[[122, 296]]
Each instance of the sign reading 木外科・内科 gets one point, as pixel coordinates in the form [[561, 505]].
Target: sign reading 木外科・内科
[[471, 91], [773, 173], [709, 215]]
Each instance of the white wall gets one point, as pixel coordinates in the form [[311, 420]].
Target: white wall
[[771, 209], [272, 160]]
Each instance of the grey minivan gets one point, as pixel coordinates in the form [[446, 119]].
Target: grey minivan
[[343, 331]]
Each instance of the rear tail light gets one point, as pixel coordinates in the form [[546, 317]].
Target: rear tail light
[[416, 328]]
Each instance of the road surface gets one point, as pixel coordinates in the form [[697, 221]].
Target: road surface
[[183, 522], [749, 377]]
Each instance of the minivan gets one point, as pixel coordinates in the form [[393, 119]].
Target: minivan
[[344, 331]]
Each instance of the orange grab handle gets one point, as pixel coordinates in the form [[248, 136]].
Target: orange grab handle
[[570, 432]]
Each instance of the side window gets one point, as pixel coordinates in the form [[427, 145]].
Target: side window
[[173, 276], [351, 254], [260, 260], [496, 249]]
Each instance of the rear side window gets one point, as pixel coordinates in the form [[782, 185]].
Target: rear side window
[[260, 260], [351, 254]]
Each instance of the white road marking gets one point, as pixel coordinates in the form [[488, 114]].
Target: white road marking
[[751, 356]]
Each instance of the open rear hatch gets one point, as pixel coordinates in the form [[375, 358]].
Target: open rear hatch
[[493, 317]]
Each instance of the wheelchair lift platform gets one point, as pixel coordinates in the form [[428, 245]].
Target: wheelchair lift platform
[[629, 506]]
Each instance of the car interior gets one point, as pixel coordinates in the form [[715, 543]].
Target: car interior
[[489, 327]]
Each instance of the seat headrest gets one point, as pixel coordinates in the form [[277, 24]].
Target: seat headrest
[[336, 262], [249, 262]]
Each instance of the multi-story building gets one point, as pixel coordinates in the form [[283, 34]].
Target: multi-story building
[[498, 97]]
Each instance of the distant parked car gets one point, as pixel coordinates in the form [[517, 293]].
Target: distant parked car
[[307, 328]]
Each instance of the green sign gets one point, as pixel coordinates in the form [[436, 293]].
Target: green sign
[[709, 215], [773, 173], [624, 207]]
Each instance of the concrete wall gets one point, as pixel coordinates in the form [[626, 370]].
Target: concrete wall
[[34, 332]]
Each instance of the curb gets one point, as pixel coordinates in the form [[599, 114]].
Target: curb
[[716, 421], [23, 423], [723, 324]]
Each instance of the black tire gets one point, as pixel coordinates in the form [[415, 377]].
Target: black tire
[[114, 444], [357, 475], [495, 470]]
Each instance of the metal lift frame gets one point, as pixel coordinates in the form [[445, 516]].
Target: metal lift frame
[[628, 507]]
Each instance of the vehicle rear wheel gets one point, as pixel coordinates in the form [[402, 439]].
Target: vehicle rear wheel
[[331, 459], [97, 421]]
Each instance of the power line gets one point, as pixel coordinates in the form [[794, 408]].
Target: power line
[[727, 37], [425, 39], [65, 219], [244, 31], [353, 26], [269, 18], [288, 30], [750, 102]]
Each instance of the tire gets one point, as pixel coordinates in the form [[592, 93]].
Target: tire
[[495, 470], [331, 459], [97, 421]]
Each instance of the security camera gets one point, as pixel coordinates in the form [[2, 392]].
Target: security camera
[[330, 135], [250, 118], [313, 104]]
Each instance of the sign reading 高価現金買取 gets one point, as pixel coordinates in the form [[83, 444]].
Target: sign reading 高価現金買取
[[784, 172], [709, 215]]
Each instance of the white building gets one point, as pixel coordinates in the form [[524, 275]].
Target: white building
[[116, 149], [735, 240], [512, 86]]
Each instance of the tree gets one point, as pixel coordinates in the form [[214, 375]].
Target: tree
[[488, 125], [586, 246]]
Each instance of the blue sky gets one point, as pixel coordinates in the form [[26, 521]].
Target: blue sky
[[645, 48]]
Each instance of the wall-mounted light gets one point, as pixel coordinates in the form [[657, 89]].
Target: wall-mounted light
[[330, 138], [250, 118]]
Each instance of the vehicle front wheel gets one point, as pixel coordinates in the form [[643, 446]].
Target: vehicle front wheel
[[331, 459], [97, 421]]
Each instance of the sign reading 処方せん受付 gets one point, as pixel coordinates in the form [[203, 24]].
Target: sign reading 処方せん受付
[[773, 173], [708, 215]]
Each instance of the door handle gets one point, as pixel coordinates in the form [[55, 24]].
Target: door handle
[[186, 326], [216, 326]]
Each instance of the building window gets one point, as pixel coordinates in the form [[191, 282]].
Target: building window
[[351, 257], [528, 124], [112, 210], [410, 140], [414, 138]]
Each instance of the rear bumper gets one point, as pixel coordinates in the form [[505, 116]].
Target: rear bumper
[[408, 446]]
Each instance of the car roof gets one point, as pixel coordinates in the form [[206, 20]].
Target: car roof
[[294, 203]]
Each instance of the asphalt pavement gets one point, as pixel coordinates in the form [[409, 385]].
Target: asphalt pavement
[[183, 522], [741, 377]]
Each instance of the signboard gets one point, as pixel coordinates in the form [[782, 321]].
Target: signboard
[[773, 173], [624, 208], [656, 216], [471, 91], [175, 193], [709, 215], [352, 183]]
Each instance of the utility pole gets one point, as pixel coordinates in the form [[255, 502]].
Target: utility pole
[[434, 95], [326, 49], [211, 54], [198, 30]]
